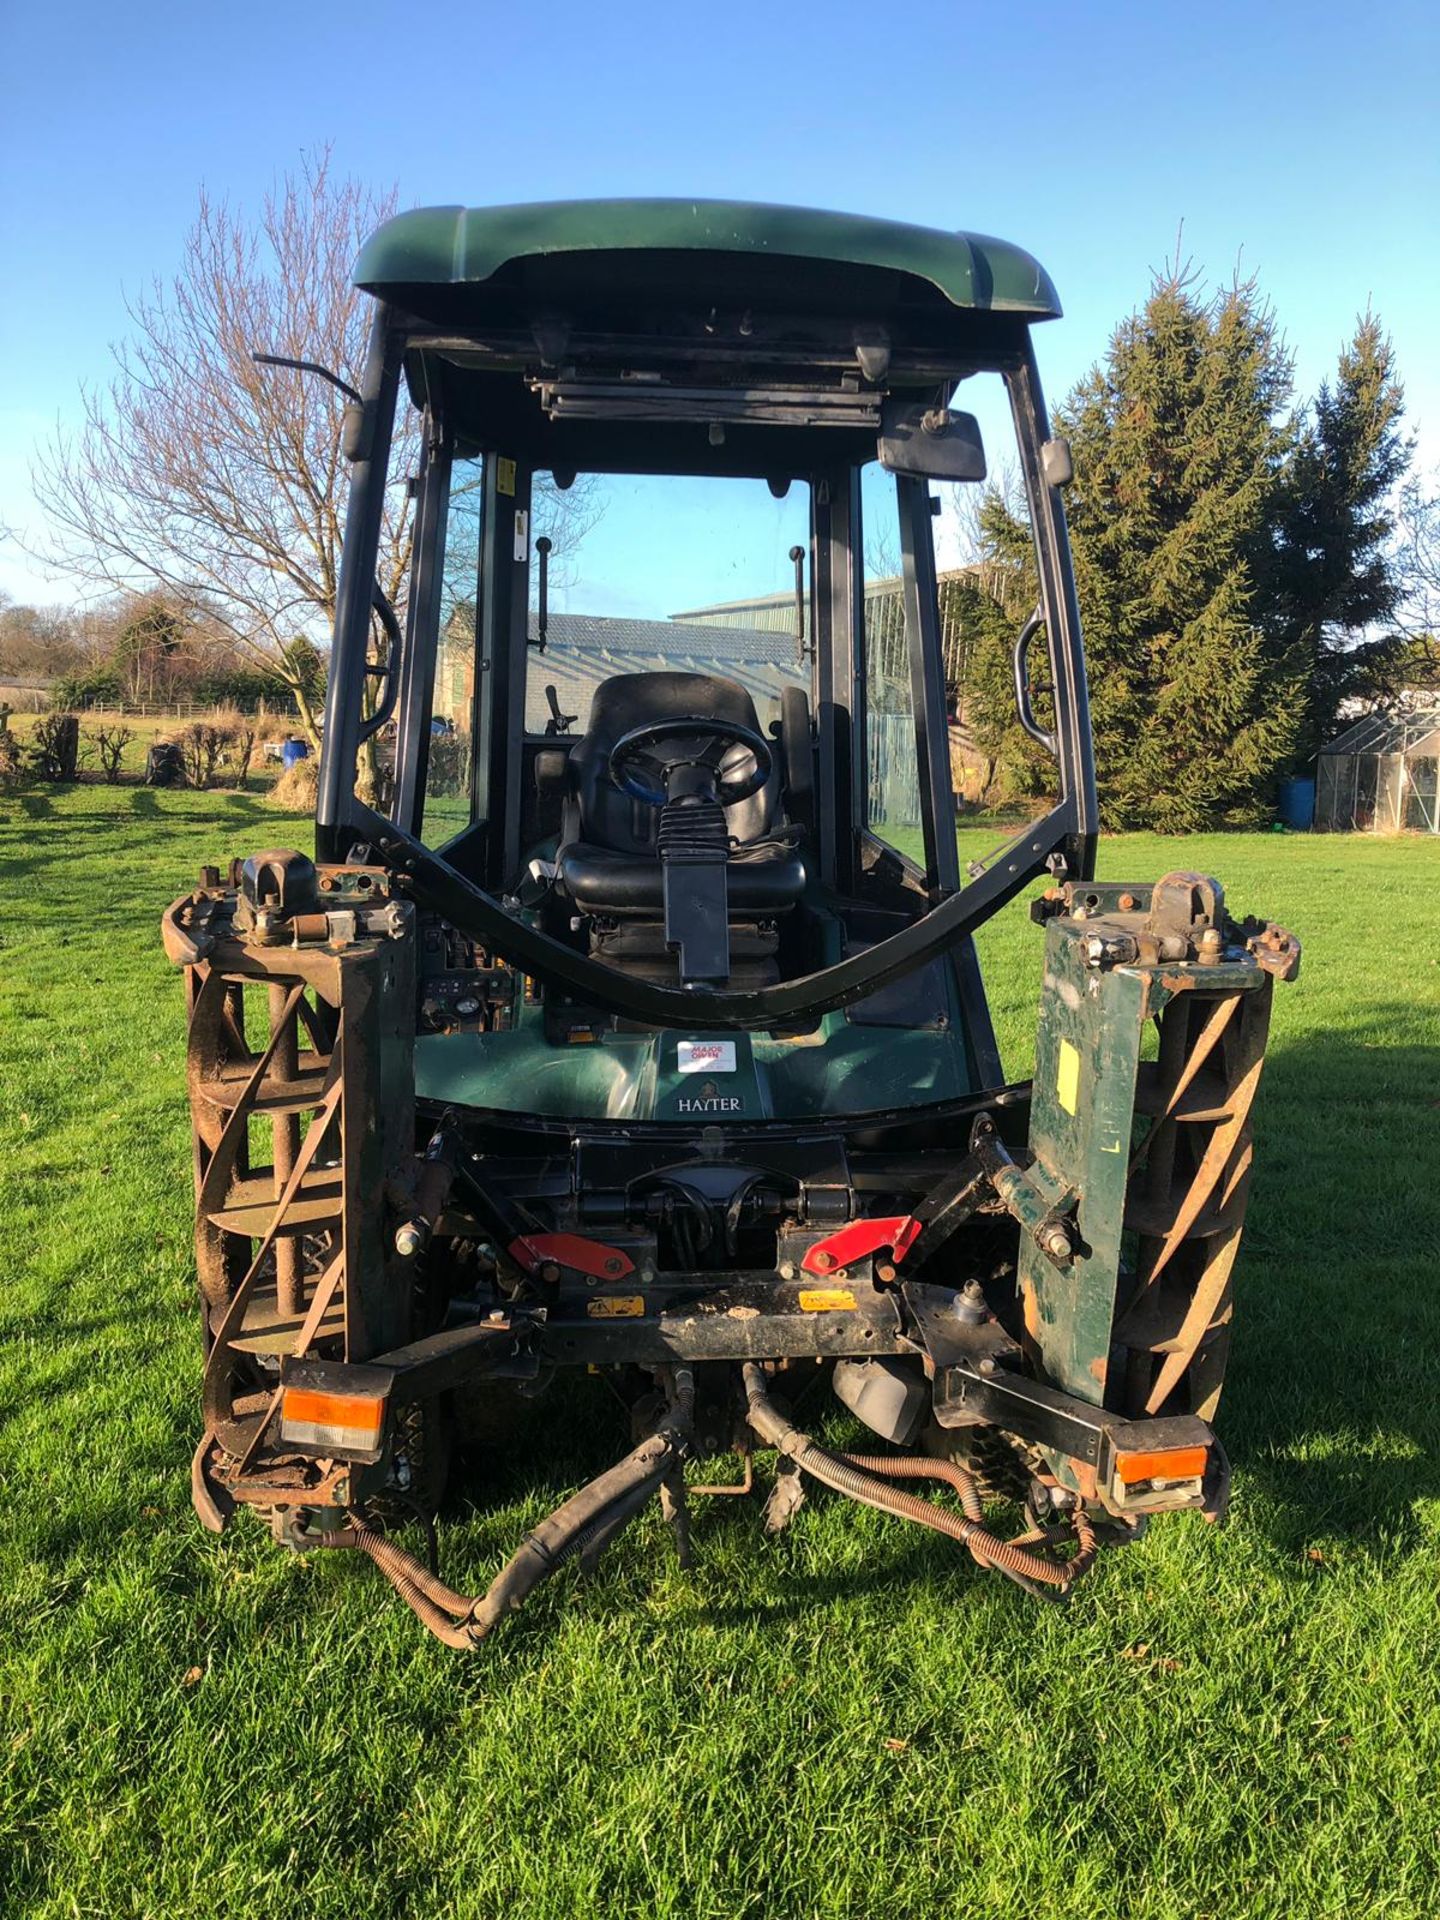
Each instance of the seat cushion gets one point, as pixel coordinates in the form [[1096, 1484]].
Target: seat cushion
[[638, 947], [762, 880]]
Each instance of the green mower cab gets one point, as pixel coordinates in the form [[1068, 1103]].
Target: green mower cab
[[628, 1017]]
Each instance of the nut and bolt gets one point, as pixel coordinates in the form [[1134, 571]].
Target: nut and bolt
[[1057, 1243], [409, 1239], [987, 1365], [970, 1304], [1126, 903], [821, 1260], [787, 1269], [885, 1271], [1211, 941]]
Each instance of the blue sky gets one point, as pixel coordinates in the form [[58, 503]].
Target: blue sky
[[1295, 139]]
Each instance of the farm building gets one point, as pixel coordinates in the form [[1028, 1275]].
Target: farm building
[[25, 693], [1382, 775]]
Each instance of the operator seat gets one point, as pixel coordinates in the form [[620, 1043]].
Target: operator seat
[[608, 860]]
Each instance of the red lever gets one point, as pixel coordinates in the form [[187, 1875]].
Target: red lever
[[859, 1238], [571, 1250]]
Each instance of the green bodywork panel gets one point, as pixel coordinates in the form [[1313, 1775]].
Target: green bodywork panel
[[1087, 1057], [840, 1068], [1082, 1132], [455, 246]]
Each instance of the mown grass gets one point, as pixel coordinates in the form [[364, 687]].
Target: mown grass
[[849, 1721]]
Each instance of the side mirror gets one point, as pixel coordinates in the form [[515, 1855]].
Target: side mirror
[[1056, 463], [353, 431], [930, 443]]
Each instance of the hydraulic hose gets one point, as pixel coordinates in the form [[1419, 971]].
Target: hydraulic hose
[[859, 1479], [904, 1466], [586, 1521]]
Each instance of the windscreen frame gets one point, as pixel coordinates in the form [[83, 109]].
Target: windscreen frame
[[343, 820]]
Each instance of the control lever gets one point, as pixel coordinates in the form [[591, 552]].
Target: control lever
[[558, 722]]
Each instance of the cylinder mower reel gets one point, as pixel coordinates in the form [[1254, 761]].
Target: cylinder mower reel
[[627, 1020]]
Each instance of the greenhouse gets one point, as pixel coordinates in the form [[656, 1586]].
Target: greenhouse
[[1380, 776]]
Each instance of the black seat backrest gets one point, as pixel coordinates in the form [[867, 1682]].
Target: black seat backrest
[[609, 818]]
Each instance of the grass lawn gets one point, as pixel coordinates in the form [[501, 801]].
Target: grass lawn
[[849, 1721]]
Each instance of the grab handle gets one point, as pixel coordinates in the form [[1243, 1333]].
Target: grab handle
[[1022, 686]]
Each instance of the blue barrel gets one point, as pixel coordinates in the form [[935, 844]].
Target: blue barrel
[[1297, 803], [293, 750]]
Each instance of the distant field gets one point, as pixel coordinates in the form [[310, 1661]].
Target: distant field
[[849, 1721]]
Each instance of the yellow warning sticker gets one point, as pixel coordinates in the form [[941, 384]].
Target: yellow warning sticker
[[505, 476], [1067, 1079], [616, 1306], [826, 1300]]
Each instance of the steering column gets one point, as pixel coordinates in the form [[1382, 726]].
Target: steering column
[[692, 767]]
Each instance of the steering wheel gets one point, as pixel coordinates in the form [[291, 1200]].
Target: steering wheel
[[643, 760]]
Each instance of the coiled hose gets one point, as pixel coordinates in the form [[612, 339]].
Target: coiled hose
[[859, 1477]]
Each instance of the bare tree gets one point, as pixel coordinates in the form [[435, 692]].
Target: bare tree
[[40, 640], [241, 751], [1419, 567], [219, 480], [203, 745], [111, 742]]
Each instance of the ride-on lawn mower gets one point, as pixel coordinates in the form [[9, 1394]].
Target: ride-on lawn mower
[[628, 1017]]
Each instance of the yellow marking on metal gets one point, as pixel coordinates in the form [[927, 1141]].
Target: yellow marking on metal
[[505, 476], [616, 1306], [1067, 1078], [826, 1300]]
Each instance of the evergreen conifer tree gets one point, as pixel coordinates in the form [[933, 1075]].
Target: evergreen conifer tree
[[1336, 574], [1233, 562], [1179, 449]]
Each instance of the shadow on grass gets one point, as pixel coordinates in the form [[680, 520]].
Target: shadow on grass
[[145, 825], [234, 811]]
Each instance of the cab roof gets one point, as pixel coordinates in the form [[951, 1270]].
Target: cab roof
[[653, 241]]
